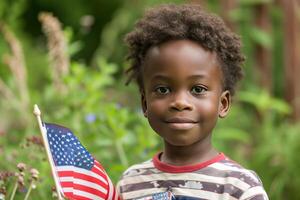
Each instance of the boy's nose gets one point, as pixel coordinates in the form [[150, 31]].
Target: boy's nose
[[181, 102]]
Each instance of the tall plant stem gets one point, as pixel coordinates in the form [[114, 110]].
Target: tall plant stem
[[14, 190], [29, 190], [121, 153]]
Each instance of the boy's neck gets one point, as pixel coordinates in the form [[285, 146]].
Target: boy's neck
[[188, 155]]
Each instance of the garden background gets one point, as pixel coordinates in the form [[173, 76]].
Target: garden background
[[69, 58]]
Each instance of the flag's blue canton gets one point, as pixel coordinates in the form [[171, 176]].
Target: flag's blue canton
[[66, 148]]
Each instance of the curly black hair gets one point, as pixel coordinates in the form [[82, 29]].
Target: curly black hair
[[188, 21]]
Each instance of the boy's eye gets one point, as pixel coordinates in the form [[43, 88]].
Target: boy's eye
[[162, 90], [198, 89]]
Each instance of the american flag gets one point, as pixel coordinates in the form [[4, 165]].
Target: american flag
[[81, 177]]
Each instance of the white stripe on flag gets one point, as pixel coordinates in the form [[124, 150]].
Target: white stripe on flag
[[84, 183], [81, 171], [111, 189], [82, 194]]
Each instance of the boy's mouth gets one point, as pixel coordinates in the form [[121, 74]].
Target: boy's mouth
[[179, 123]]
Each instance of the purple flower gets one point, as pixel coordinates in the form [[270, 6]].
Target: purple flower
[[90, 118]]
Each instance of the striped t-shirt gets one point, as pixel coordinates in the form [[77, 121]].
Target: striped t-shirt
[[219, 179]]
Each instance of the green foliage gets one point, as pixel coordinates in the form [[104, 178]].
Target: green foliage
[[264, 103], [257, 134], [254, 2], [106, 116], [11, 15], [112, 37], [261, 37], [101, 125]]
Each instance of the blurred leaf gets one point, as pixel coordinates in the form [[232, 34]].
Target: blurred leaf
[[261, 37], [239, 14], [254, 2], [263, 102], [231, 134]]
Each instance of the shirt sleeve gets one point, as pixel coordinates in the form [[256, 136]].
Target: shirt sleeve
[[255, 193]]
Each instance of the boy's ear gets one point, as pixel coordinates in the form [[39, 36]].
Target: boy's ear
[[144, 103], [225, 103]]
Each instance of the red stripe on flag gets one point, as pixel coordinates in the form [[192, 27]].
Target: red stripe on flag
[[100, 171], [114, 194], [91, 179], [67, 184], [81, 188], [65, 173], [69, 195], [89, 190], [83, 177], [111, 188]]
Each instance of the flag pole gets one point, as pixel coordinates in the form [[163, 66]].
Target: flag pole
[[37, 113]]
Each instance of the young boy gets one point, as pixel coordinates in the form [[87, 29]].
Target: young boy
[[186, 64]]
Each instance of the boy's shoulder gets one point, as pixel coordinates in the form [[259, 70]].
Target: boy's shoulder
[[231, 169], [140, 169], [224, 169]]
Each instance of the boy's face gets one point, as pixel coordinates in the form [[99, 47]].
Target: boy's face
[[183, 92]]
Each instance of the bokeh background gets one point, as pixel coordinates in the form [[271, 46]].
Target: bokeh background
[[69, 57]]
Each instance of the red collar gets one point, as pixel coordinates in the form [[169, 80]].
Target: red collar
[[186, 168]]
